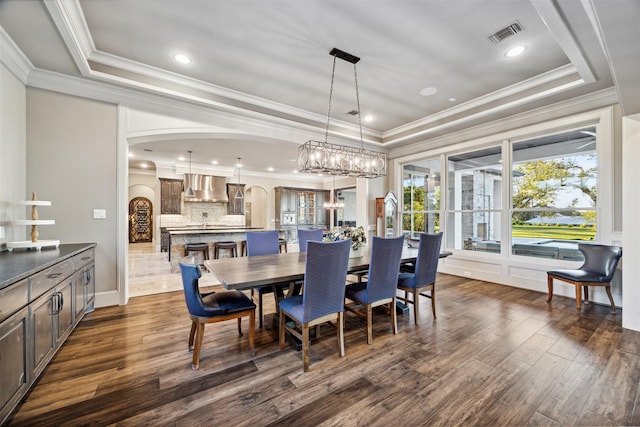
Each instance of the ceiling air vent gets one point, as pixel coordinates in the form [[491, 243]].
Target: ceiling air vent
[[506, 32]]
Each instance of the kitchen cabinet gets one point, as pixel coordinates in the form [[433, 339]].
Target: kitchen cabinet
[[171, 196], [235, 192], [299, 208], [14, 346], [51, 292]]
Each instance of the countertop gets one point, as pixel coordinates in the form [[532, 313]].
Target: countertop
[[21, 263], [210, 229]]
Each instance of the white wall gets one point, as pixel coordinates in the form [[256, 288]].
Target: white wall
[[71, 161], [631, 222], [13, 157]]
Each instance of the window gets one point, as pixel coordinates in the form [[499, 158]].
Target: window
[[554, 194], [474, 200], [421, 197]]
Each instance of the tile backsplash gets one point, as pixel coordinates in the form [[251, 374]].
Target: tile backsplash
[[202, 213]]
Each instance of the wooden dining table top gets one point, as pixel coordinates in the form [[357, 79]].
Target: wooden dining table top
[[256, 271]]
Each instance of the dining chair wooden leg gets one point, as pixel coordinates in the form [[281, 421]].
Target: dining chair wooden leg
[[433, 300], [550, 286], [252, 332], [305, 347], [585, 290], [613, 305], [578, 297], [369, 324], [196, 350], [340, 327], [394, 323], [416, 306], [239, 326], [192, 333], [281, 330]]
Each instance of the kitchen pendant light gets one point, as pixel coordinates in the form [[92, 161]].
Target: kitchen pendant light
[[189, 191], [239, 194], [324, 157], [335, 204]]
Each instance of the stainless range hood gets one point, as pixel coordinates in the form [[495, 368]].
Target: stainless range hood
[[206, 188]]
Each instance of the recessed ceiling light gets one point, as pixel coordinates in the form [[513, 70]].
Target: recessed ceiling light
[[214, 162], [368, 118], [182, 58], [452, 100], [296, 171], [428, 91], [182, 159], [130, 154], [270, 169], [515, 51], [144, 165]]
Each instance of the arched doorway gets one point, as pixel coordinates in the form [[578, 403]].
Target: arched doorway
[[255, 199], [140, 220]]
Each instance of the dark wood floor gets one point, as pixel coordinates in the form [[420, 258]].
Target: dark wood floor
[[494, 356]]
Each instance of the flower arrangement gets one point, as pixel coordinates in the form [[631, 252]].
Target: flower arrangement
[[357, 235]]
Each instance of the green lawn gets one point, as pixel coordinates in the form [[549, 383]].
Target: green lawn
[[553, 232]]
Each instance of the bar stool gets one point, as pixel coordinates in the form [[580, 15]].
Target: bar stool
[[203, 248], [282, 243], [243, 248], [232, 247]]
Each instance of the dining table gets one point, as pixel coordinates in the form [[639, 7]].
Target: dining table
[[242, 273], [245, 273]]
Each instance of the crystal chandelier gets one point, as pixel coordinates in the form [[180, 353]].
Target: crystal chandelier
[[333, 159]]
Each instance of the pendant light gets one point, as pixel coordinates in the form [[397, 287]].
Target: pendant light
[[189, 191], [335, 204], [323, 157], [238, 194]]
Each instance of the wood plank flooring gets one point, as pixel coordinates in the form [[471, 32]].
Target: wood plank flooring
[[495, 356]]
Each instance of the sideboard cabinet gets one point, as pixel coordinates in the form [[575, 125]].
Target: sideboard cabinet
[[43, 296]]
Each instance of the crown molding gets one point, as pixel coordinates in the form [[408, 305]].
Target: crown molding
[[13, 58], [581, 104]]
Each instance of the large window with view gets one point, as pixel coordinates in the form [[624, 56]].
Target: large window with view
[[474, 200], [421, 197], [554, 193]]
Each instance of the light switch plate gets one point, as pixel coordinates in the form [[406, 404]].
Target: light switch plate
[[99, 214]]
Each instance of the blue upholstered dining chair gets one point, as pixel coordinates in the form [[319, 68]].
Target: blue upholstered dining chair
[[263, 243], [598, 268], [380, 287], [423, 278], [322, 299], [213, 307], [304, 236]]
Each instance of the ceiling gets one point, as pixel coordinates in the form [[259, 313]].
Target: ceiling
[[270, 59]]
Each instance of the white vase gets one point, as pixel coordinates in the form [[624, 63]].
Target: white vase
[[356, 253]]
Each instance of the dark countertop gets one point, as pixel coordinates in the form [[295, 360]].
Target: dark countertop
[[21, 263], [210, 229]]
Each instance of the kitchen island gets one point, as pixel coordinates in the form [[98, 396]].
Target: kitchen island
[[209, 234]]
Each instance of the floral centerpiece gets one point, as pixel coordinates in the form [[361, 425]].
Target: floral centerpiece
[[357, 236]]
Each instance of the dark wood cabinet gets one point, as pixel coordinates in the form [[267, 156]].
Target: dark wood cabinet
[[171, 196], [235, 192]]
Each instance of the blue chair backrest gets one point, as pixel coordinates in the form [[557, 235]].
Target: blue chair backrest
[[600, 259], [190, 275], [314, 234], [325, 278], [262, 242], [428, 257], [384, 267]]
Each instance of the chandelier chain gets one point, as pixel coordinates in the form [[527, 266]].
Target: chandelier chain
[[355, 73], [333, 73]]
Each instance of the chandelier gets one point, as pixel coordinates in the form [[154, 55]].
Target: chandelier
[[334, 159], [335, 204]]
